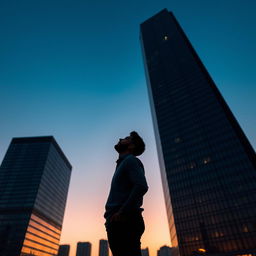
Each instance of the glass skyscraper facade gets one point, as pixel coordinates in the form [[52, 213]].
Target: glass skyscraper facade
[[34, 181], [207, 164]]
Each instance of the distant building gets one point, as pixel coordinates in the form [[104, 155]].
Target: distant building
[[64, 250], [103, 248], [164, 251], [208, 166], [34, 181], [83, 249], [144, 252]]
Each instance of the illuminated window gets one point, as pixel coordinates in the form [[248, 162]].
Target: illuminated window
[[192, 165], [216, 234], [245, 229], [206, 160], [177, 140], [221, 234]]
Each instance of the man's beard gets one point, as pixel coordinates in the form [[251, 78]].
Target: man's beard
[[120, 148]]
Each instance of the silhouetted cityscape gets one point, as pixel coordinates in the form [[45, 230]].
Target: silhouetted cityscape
[[207, 163], [84, 249]]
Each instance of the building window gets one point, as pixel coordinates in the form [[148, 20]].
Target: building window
[[206, 160], [192, 165], [177, 140], [245, 229]]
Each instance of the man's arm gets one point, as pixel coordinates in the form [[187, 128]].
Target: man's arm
[[135, 171]]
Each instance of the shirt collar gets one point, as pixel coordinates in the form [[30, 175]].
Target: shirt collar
[[121, 158]]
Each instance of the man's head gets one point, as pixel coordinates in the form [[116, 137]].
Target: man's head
[[132, 144]]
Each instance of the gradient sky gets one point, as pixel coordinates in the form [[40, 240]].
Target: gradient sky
[[73, 69]]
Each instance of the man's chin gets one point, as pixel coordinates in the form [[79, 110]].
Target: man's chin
[[116, 148], [120, 149]]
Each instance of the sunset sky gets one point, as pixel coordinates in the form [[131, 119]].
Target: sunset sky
[[73, 69]]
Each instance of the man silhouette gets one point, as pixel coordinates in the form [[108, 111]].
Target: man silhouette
[[124, 221]]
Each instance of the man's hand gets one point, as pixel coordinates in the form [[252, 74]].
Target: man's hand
[[118, 217]]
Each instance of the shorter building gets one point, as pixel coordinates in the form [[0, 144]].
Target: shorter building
[[103, 248], [144, 252], [34, 182], [83, 249], [64, 250], [164, 251]]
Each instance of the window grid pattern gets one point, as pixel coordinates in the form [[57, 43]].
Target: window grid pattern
[[210, 179], [34, 180]]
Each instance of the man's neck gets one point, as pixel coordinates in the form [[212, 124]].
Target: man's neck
[[124, 153]]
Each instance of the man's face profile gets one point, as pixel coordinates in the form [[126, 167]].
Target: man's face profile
[[123, 144]]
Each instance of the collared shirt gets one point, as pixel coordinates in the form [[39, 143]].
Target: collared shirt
[[127, 187]]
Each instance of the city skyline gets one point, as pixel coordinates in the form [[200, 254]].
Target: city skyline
[[207, 164], [70, 68], [65, 248]]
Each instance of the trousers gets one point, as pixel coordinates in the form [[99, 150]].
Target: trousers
[[124, 236]]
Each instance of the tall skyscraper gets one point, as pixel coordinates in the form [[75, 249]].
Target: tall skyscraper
[[64, 250], [34, 181], [83, 249], [207, 164], [144, 252], [103, 248], [164, 251]]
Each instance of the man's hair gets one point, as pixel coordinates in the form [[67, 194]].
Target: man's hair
[[138, 142]]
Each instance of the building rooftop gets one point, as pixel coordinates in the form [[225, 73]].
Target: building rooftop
[[38, 139]]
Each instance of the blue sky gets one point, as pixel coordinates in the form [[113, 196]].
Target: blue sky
[[74, 69], [72, 66]]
